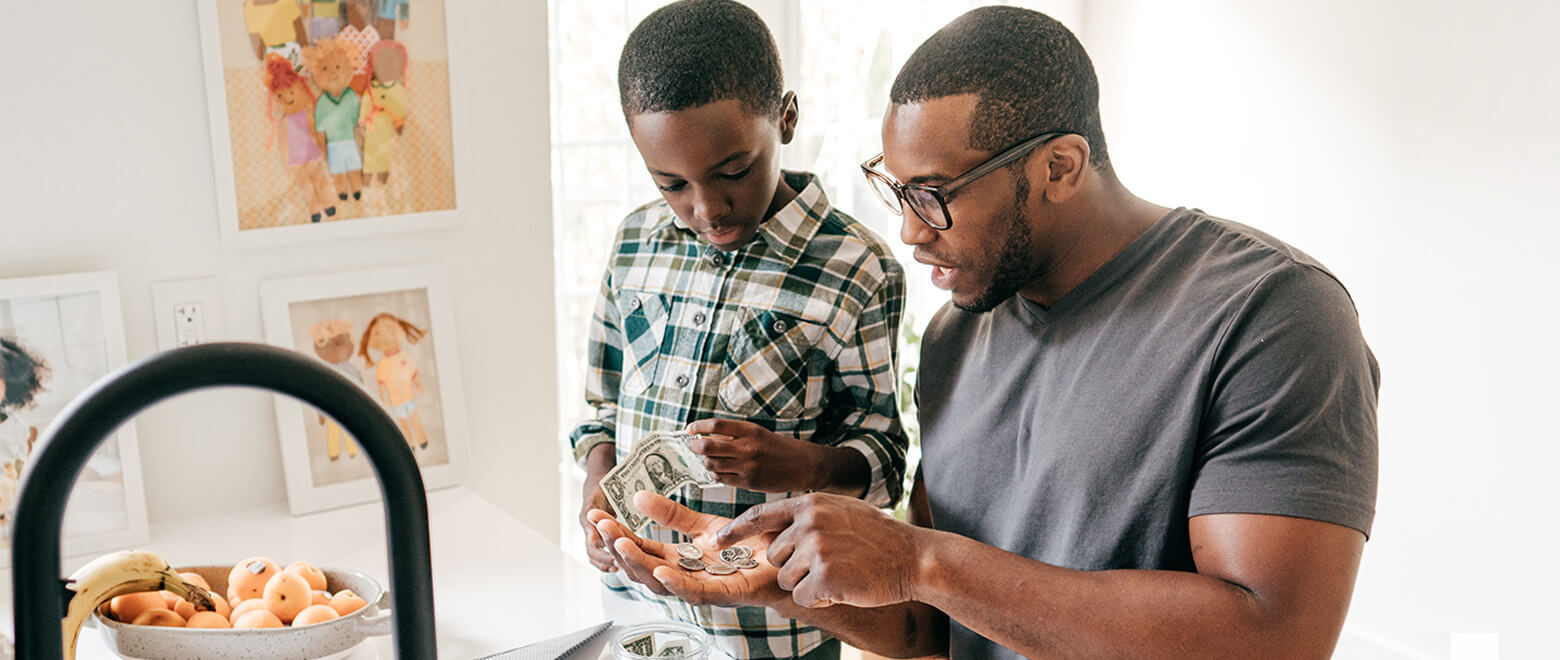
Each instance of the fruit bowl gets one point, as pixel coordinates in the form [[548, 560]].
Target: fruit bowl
[[320, 640]]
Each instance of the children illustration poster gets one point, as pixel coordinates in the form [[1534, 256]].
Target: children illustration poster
[[58, 336], [329, 118], [388, 332]]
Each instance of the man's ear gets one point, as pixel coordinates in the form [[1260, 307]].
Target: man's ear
[[789, 110], [1060, 165]]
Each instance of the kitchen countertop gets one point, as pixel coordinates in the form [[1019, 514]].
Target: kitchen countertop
[[497, 583]]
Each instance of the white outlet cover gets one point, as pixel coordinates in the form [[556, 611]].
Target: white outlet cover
[[197, 303]]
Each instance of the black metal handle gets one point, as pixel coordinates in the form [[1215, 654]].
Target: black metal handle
[[101, 409]]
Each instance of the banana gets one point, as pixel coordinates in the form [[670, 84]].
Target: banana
[[123, 572]]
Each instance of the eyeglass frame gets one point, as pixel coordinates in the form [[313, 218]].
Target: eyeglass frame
[[942, 193]]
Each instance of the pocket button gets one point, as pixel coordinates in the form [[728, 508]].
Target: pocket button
[[681, 380], [778, 326], [698, 318]]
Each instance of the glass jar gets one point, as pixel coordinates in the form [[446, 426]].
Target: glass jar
[[660, 639]]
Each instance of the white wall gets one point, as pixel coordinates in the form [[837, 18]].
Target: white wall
[[1411, 146], [105, 163]]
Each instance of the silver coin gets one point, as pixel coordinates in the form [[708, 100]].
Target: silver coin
[[689, 550], [691, 564], [735, 554], [720, 569], [747, 563]]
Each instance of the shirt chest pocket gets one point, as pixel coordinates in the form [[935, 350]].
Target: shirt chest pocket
[[644, 328], [767, 364]]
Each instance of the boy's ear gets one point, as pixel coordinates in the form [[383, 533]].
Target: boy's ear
[[789, 110]]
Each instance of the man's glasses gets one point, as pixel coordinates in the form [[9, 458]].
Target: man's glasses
[[930, 203]]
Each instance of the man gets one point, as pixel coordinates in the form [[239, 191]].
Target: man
[[1147, 432]]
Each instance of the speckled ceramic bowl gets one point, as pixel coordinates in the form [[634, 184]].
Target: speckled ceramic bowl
[[320, 640]]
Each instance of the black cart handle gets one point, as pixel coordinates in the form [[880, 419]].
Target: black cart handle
[[101, 409]]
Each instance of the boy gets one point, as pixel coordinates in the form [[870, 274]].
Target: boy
[[741, 306]]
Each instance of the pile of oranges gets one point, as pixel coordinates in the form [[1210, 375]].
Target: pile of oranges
[[259, 595]]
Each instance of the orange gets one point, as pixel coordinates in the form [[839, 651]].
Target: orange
[[184, 608], [219, 605], [159, 617], [129, 606], [314, 614], [244, 608], [258, 619], [207, 620], [248, 577], [232, 596], [287, 594], [319, 598], [345, 602], [169, 598], [197, 580], [315, 576]]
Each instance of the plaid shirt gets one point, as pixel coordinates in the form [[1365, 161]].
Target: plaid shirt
[[795, 331]]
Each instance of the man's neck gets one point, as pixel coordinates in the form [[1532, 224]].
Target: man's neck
[[1092, 233]]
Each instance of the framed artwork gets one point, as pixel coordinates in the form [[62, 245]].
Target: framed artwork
[[330, 119], [392, 332], [59, 335]]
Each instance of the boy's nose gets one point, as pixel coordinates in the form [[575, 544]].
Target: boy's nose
[[710, 206], [912, 231]]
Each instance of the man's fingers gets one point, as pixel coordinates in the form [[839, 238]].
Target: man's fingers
[[620, 548], [811, 592], [716, 427], [761, 519]]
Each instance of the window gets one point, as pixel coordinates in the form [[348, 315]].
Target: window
[[840, 57]]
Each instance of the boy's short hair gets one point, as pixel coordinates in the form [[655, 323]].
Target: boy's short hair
[[1030, 72], [694, 52]]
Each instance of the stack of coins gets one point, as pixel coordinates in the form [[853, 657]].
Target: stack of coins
[[729, 561]]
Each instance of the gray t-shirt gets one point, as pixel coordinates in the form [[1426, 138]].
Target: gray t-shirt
[[1207, 368]]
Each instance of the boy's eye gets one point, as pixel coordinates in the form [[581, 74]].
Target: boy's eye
[[737, 175], [673, 187]]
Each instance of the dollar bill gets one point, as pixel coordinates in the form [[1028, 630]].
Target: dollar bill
[[673, 649], [641, 644], [659, 462]]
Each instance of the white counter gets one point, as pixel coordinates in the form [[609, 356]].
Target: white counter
[[497, 584]]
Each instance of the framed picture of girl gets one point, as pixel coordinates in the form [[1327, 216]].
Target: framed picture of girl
[[392, 333], [59, 335], [330, 119]]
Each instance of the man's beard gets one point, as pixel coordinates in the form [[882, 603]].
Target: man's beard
[[1014, 263]]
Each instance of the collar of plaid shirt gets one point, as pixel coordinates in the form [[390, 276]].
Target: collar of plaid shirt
[[787, 232]]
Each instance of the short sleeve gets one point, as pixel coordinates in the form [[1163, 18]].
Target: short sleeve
[[1290, 427]]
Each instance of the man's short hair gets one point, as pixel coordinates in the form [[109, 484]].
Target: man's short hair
[[1030, 72], [694, 52]]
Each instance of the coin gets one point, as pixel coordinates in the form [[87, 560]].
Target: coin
[[747, 563], [720, 569], [735, 554], [691, 564], [689, 550]]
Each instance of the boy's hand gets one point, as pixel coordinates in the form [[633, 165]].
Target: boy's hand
[[654, 564], [746, 455], [599, 462]]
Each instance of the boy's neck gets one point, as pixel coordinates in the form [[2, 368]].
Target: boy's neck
[[783, 196]]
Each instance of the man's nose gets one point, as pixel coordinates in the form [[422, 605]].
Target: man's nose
[[914, 231]]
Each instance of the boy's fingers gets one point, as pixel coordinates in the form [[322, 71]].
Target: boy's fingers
[[713, 445], [669, 513]]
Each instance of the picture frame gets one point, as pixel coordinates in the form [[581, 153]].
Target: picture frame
[[392, 331], [264, 198], [62, 333]]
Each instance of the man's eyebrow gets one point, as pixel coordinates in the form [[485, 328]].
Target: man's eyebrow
[[725, 161]]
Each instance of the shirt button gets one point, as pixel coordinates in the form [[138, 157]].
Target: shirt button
[[718, 259], [681, 380], [634, 304], [778, 326], [698, 318]]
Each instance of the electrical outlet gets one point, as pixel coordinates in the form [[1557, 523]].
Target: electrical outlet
[[189, 324], [188, 312]]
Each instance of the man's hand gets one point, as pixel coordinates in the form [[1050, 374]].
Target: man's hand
[[746, 455], [597, 464], [832, 549], [654, 564]]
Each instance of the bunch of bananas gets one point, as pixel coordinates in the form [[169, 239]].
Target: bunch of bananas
[[123, 572]]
